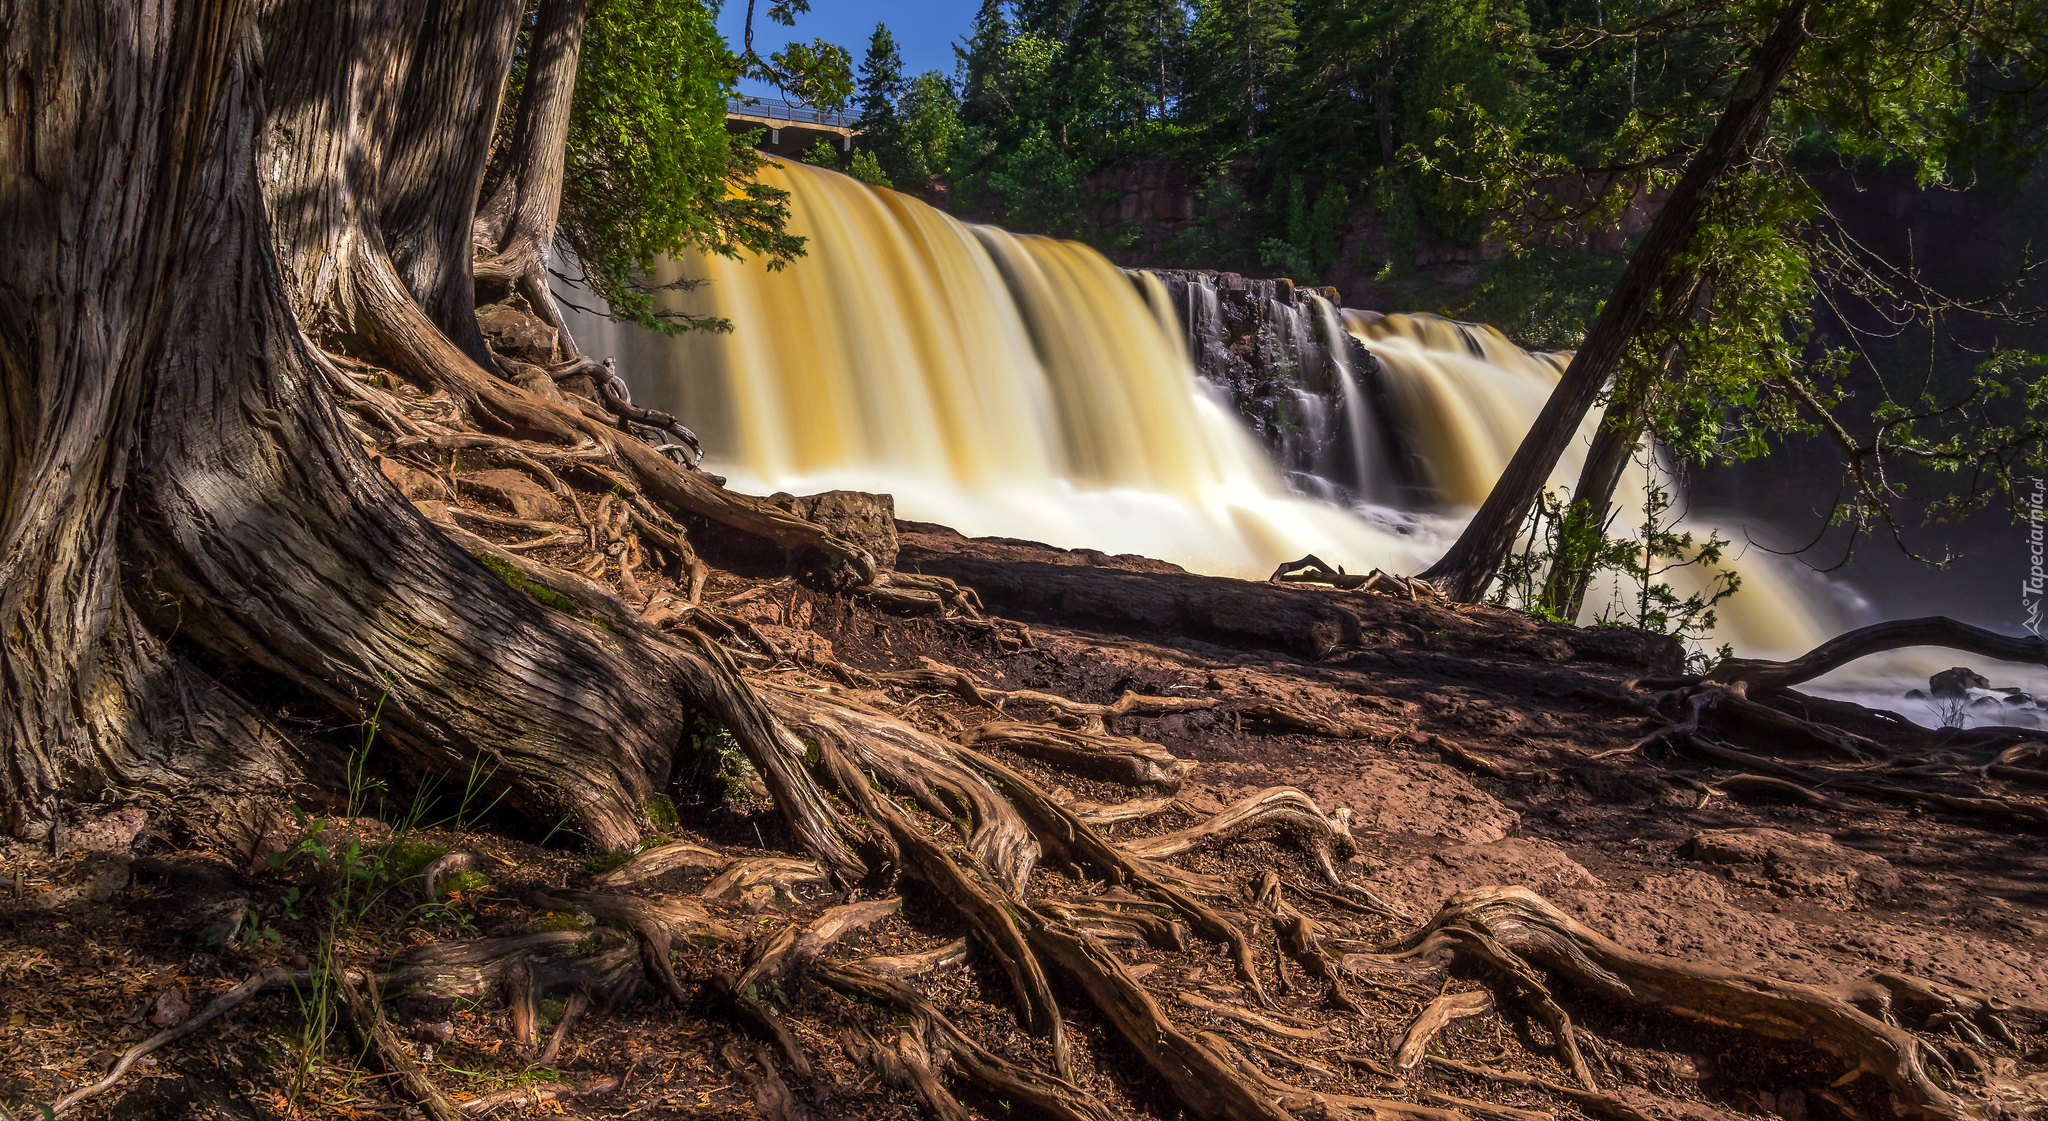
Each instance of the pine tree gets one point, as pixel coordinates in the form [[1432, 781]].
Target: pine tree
[[1245, 50], [984, 98], [881, 83]]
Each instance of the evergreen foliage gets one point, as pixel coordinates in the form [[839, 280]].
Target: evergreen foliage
[[651, 167]]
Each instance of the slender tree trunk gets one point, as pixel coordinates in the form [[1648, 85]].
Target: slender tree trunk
[[1614, 443], [1571, 572], [520, 219], [1464, 572], [436, 167]]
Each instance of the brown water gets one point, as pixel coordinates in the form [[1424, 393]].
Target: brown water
[[1026, 387]]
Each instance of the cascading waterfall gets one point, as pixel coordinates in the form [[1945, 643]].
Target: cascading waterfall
[[1468, 395], [1025, 387], [996, 383]]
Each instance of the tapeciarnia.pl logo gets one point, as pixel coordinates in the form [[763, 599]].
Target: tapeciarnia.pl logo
[[2036, 586]]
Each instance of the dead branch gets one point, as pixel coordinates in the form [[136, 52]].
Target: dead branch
[[1839, 651]]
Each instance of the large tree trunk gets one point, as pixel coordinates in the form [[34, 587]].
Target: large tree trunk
[[103, 111], [1465, 571], [173, 467]]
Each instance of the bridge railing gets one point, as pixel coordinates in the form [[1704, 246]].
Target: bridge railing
[[776, 109]]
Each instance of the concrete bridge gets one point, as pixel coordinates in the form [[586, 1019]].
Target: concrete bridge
[[790, 128]]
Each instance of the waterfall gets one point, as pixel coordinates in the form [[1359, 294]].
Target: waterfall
[[1019, 386]]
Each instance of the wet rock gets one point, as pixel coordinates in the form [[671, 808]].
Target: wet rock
[[1809, 864], [515, 491], [866, 520], [516, 333], [170, 1009], [1420, 886], [1955, 684]]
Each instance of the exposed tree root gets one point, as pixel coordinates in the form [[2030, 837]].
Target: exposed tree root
[[357, 995], [216, 1008], [1518, 927], [1312, 569], [1896, 634], [1441, 1013], [880, 980], [1606, 1105], [1325, 838], [1121, 759]]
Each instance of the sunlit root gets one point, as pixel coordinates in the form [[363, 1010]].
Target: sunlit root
[[1082, 846], [1047, 1094], [1301, 937], [657, 922], [915, 594], [1213, 1083], [790, 951], [761, 881], [1326, 838], [938, 1101], [663, 859], [1117, 813], [1312, 569], [938, 675], [1113, 923], [1490, 922], [973, 896], [927, 769], [1439, 1014], [1117, 758], [1250, 1018], [784, 956], [952, 955]]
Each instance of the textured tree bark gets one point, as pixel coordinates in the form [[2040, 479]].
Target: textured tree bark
[[171, 462], [519, 220], [1464, 572], [446, 119], [105, 108]]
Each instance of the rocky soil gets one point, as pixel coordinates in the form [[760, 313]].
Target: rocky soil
[[1465, 748]]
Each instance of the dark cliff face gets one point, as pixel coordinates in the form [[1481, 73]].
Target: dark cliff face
[[1304, 386]]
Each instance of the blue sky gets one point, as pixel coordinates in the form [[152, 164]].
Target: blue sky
[[924, 29]]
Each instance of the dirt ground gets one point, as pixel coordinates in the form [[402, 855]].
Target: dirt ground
[[1478, 749]]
